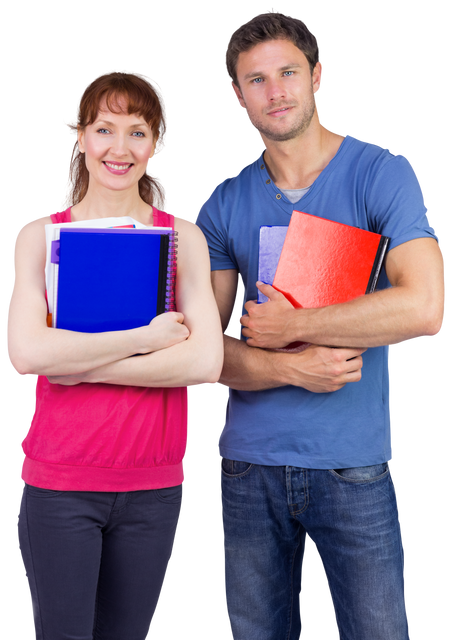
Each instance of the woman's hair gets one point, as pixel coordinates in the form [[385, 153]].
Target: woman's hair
[[266, 25], [143, 100]]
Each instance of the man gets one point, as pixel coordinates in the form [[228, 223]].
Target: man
[[306, 442]]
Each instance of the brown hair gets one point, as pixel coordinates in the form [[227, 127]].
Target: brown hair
[[143, 100], [270, 26]]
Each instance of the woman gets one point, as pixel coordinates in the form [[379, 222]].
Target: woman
[[103, 466]]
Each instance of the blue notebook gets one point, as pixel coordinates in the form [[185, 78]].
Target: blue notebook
[[113, 279]]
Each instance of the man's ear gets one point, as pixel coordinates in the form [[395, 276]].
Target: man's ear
[[238, 93], [316, 76]]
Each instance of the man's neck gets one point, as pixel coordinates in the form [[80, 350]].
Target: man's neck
[[295, 164]]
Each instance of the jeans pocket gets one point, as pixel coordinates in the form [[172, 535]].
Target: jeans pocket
[[235, 468], [363, 474], [38, 492], [170, 495]]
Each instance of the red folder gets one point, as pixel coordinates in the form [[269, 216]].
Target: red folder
[[324, 262]]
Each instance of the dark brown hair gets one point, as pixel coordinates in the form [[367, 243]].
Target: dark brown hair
[[143, 100], [270, 26]]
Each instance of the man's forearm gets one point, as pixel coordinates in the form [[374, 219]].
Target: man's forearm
[[249, 369], [317, 369], [382, 318], [411, 308]]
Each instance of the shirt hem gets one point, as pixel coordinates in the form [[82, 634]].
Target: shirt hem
[[61, 477], [306, 462]]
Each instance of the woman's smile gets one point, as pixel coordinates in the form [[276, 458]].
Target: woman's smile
[[117, 169]]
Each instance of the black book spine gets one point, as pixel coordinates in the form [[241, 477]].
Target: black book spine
[[163, 270], [378, 262]]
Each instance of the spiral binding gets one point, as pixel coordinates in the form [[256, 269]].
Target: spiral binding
[[170, 297]]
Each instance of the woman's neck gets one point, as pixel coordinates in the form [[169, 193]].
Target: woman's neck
[[112, 204]]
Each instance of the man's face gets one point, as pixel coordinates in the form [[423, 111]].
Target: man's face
[[277, 89]]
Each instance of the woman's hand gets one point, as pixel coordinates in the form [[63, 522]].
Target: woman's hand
[[169, 329], [165, 330]]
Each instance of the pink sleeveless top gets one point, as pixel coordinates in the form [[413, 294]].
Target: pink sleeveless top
[[103, 437]]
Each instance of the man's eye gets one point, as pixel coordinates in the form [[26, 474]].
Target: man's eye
[[288, 73], [257, 80]]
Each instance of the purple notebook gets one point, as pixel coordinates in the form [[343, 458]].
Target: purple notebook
[[271, 240]]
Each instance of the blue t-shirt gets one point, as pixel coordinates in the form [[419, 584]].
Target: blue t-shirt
[[364, 186]]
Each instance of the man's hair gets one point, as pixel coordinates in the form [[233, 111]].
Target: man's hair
[[266, 27]]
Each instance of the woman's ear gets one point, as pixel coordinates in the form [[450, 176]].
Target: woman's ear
[[81, 139]]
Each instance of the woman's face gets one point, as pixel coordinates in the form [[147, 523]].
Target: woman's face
[[117, 147]]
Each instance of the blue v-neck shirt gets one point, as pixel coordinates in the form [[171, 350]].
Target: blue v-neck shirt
[[364, 186]]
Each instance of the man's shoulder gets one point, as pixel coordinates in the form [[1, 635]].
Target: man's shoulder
[[371, 155], [376, 161], [355, 148], [375, 169]]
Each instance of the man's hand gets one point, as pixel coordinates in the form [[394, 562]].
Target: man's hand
[[268, 325], [324, 369]]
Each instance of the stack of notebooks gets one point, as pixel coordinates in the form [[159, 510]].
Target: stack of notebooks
[[109, 274], [317, 262]]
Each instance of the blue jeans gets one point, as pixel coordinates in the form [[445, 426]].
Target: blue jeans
[[96, 561], [350, 514]]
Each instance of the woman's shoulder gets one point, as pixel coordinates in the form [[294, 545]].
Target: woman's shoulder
[[38, 221], [31, 242], [186, 229], [180, 223], [35, 227]]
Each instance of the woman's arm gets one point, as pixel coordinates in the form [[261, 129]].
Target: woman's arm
[[37, 349], [196, 360]]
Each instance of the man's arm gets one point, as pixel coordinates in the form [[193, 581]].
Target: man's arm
[[411, 308], [317, 369]]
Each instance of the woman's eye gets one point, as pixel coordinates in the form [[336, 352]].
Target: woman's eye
[[136, 134]]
